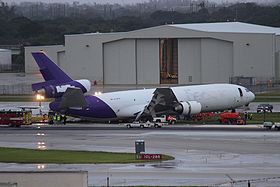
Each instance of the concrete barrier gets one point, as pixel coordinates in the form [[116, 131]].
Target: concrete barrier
[[44, 178]]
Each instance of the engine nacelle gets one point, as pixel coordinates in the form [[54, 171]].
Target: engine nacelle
[[188, 108], [55, 91]]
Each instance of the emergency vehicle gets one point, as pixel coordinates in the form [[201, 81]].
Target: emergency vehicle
[[15, 118], [231, 118]]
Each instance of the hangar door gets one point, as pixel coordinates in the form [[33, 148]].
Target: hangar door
[[147, 61], [189, 61], [216, 61], [119, 62]]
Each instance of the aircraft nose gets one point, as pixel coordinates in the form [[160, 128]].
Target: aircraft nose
[[251, 96]]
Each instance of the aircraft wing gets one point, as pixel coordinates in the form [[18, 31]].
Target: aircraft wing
[[163, 101], [72, 98]]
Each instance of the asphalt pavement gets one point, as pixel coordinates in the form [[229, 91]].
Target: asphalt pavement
[[202, 156]]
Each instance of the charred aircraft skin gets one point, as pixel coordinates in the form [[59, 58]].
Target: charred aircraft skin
[[133, 104]]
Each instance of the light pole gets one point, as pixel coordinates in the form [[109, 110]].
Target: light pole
[[40, 98]]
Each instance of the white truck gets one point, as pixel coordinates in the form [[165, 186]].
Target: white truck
[[137, 124], [271, 125], [164, 119]]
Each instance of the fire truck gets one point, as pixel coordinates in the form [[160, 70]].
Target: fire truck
[[231, 118], [15, 118]]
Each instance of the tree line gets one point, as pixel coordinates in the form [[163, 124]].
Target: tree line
[[16, 29]]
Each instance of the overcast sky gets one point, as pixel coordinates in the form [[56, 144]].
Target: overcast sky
[[122, 1]]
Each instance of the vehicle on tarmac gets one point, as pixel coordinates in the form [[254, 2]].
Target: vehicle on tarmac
[[277, 126], [264, 108], [37, 114], [202, 116], [15, 118], [40, 118], [165, 119], [148, 124], [136, 105], [231, 118], [271, 125]]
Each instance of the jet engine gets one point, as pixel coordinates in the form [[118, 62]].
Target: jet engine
[[57, 90], [187, 108]]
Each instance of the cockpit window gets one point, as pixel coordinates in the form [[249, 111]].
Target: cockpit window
[[240, 92]]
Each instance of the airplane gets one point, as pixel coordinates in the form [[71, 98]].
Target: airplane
[[70, 98]]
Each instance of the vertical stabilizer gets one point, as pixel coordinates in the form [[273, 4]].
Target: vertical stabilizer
[[49, 70]]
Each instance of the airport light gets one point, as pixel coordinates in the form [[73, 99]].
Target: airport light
[[41, 166], [40, 97], [97, 93]]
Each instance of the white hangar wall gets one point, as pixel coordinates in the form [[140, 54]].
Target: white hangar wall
[[83, 57], [55, 53], [254, 55]]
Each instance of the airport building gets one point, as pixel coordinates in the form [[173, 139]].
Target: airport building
[[181, 54]]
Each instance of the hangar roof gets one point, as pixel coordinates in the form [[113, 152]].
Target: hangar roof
[[232, 27]]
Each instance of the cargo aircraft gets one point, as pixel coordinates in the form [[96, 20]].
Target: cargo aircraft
[[70, 98]]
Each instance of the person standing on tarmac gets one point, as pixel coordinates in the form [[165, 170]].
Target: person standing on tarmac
[[55, 118], [64, 120], [58, 118]]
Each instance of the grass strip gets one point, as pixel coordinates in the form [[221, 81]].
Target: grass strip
[[28, 156], [257, 118], [273, 93], [266, 99]]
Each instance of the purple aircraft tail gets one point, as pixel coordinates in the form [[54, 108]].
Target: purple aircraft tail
[[52, 74]]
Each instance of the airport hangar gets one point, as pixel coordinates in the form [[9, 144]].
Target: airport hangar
[[181, 54]]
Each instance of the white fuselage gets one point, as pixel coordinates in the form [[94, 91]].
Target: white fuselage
[[212, 97]]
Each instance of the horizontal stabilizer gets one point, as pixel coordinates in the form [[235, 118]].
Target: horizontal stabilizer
[[73, 98], [40, 85]]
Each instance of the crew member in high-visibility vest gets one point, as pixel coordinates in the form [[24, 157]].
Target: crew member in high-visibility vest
[[54, 118], [58, 118]]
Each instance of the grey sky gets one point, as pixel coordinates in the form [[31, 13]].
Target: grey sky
[[124, 1]]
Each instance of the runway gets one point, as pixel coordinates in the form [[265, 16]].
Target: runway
[[204, 155]]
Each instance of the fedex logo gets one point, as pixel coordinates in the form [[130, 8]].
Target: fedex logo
[[63, 88]]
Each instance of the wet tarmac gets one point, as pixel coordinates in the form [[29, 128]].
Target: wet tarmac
[[202, 156]]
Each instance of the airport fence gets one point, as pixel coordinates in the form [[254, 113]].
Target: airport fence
[[268, 181], [257, 84], [263, 87]]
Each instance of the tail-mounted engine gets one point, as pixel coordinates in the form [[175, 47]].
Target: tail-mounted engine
[[188, 108], [57, 90]]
